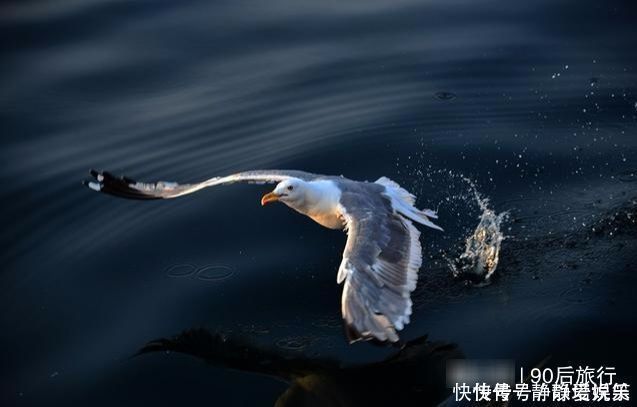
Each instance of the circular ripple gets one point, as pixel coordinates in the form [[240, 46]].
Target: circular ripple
[[628, 176], [445, 95], [293, 343], [255, 329], [327, 322], [215, 273], [180, 270]]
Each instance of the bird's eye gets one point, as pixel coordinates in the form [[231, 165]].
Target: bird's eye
[[290, 188]]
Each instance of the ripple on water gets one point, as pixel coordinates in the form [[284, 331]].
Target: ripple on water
[[525, 209], [255, 329], [445, 95], [211, 272], [215, 272], [530, 216], [295, 343], [628, 175], [566, 217], [329, 322], [180, 270], [436, 288]]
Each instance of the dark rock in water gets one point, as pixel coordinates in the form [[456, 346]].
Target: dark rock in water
[[445, 95]]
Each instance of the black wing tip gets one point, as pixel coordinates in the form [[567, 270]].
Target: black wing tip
[[123, 187], [98, 181]]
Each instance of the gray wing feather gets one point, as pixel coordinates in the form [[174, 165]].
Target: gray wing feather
[[380, 265], [125, 187]]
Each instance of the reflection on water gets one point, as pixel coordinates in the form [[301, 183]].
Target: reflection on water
[[415, 375]]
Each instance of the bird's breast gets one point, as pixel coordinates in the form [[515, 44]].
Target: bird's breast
[[322, 204], [329, 220]]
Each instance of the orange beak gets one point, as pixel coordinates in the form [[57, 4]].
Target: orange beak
[[269, 197]]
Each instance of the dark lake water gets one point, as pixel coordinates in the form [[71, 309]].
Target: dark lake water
[[536, 102]]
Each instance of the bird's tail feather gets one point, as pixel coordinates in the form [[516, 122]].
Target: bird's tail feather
[[403, 202], [419, 216]]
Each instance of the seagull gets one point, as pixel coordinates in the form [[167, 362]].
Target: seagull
[[382, 255]]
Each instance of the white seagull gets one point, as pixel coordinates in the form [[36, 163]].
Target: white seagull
[[382, 254]]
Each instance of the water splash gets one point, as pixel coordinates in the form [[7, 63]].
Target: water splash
[[481, 254], [472, 253]]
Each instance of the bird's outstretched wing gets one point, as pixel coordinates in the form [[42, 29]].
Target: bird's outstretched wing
[[380, 266], [125, 187]]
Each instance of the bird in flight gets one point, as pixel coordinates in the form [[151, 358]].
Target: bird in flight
[[382, 255]]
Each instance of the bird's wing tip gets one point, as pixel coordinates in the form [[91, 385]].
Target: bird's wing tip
[[95, 186], [97, 183], [124, 187], [353, 335]]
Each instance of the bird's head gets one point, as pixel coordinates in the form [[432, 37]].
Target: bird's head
[[290, 191]]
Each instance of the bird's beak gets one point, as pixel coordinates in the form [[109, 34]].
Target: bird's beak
[[269, 197]]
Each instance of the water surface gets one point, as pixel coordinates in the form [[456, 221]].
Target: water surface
[[535, 102]]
